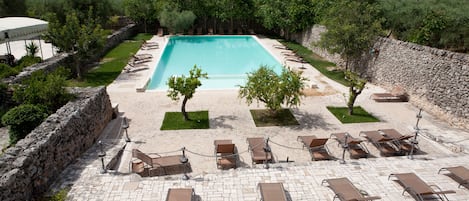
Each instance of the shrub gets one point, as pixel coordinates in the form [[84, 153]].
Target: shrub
[[45, 89], [6, 71], [3, 100], [28, 61], [22, 120]]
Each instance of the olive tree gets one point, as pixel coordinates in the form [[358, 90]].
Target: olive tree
[[81, 40], [176, 21], [264, 85], [356, 86], [352, 28], [185, 86]]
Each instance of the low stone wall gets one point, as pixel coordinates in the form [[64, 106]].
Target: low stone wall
[[116, 38], [436, 80], [29, 168], [47, 65]]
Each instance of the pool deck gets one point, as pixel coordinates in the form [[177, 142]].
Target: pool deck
[[230, 119]]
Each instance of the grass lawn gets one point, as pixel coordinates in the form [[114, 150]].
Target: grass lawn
[[318, 62], [112, 64], [263, 118], [175, 121], [359, 116]]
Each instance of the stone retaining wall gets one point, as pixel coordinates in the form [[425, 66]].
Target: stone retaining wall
[[436, 80], [29, 168]]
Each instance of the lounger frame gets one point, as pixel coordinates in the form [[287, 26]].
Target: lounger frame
[[417, 183], [346, 191], [458, 173], [354, 146]]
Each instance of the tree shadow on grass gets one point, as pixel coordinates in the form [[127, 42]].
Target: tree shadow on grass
[[310, 121], [220, 121]]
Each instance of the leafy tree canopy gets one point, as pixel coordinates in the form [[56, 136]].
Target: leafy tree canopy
[[436, 23], [176, 21], [44, 89], [352, 28], [291, 16], [264, 85], [81, 40], [12, 8]]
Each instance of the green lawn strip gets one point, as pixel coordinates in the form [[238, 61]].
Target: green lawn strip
[[264, 117], [175, 121], [317, 61], [360, 115], [112, 63]]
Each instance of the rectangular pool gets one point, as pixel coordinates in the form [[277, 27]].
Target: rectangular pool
[[226, 60]]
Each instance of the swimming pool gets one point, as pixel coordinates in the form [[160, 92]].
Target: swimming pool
[[226, 60]]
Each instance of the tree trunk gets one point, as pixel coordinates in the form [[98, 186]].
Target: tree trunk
[[353, 95], [346, 64], [77, 66], [183, 109]]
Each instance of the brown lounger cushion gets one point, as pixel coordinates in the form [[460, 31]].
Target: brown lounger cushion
[[258, 154], [180, 194], [345, 190], [272, 192], [414, 185], [460, 174]]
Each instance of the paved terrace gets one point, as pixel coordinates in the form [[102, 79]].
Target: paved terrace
[[230, 119]]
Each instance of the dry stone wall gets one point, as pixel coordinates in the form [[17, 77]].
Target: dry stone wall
[[436, 80], [28, 169]]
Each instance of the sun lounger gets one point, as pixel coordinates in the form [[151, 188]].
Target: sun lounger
[[180, 194], [225, 154], [381, 142], [388, 97], [251, 32], [239, 31], [260, 151], [290, 54], [344, 190], [210, 31], [280, 47], [417, 187], [157, 162], [133, 67], [458, 173], [354, 145], [272, 192], [199, 31], [149, 44], [295, 59], [142, 56], [401, 141], [316, 146]]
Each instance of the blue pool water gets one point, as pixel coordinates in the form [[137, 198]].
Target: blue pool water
[[226, 60]]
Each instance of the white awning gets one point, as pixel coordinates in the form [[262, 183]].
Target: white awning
[[21, 28]]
